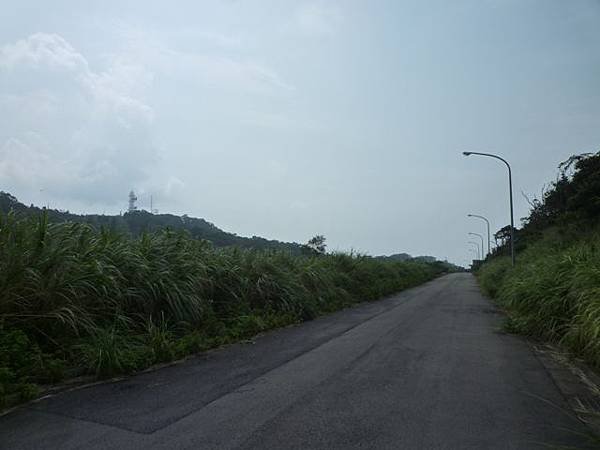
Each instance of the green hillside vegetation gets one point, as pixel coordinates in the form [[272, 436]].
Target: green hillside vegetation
[[138, 222], [76, 300], [553, 293], [407, 257]]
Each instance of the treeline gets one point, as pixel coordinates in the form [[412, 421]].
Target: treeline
[[80, 300], [570, 205], [138, 222], [553, 293]]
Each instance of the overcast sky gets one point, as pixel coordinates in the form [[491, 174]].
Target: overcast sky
[[285, 119]]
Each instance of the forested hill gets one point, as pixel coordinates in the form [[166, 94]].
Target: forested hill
[[139, 221], [553, 290], [407, 257]]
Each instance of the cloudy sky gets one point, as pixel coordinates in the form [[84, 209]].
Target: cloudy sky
[[290, 118]]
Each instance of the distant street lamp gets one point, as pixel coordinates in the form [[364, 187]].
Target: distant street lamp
[[488, 229], [477, 247], [510, 191], [482, 245], [472, 250]]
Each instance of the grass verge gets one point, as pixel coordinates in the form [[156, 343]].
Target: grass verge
[[79, 301], [553, 293]]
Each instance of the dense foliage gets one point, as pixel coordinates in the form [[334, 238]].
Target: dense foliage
[[571, 203], [554, 290], [553, 293], [138, 222], [75, 300]]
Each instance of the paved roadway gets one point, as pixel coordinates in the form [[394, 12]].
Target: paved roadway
[[426, 369]]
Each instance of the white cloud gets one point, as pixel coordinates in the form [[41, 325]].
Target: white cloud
[[42, 50], [72, 131], [20, 159], [86, 134], [317, 19]]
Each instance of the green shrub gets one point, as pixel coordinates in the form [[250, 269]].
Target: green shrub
[[19, 363], [492, 275], [553, 293], [74, 299], [107, 353], [161, 341]]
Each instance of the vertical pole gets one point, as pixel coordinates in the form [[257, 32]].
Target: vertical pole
[[483, 256], [487, 222], [512, 217], [512, 214], [482, 244], [489, 241], [478, 253]]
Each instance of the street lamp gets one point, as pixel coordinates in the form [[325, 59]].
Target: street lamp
[[488, 229], [482, 245], [476, 246], [472, 250], [510, 191]]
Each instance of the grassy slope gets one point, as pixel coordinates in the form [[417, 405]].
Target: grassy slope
[[554, 291], [75, 301]]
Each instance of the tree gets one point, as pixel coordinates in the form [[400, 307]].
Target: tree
[[503, 235], [316, 245], [573, 198]]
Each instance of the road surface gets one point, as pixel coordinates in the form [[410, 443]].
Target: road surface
[[425, 369]]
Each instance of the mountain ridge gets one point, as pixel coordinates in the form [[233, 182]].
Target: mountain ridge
[[140, 221]]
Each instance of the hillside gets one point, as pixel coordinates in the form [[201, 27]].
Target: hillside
[[406, 257], [142, 221], [137, 222], [553, 292]]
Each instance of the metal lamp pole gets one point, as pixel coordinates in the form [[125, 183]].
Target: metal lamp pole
[[477, 247], [510, 191], [482, 244], [472, 250], [488, 229]]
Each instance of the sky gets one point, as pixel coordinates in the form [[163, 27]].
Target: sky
[[286, 119]]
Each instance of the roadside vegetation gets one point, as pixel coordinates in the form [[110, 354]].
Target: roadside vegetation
[[76, 300], [553, 293]]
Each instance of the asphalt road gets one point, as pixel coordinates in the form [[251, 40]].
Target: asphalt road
[[426, 369]]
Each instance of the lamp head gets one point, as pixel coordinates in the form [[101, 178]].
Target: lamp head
[[467, 153]]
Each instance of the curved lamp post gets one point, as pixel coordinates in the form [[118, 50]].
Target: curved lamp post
[[472, 250], [510, 191], [482, 244], [488, 229], [476, 247]]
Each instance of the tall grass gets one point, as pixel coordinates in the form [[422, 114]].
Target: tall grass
[[76, 300], [553, 292]]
